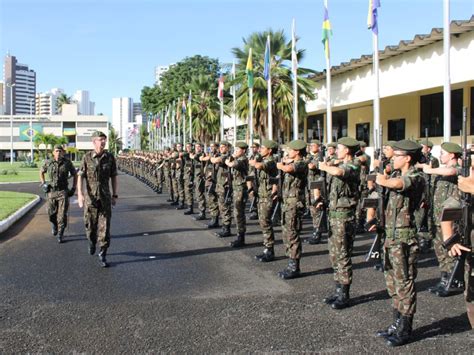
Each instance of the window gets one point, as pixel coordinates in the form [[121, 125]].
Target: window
[[363, 132], [313, 132], [432, 114], [396, 129], [339, 124]]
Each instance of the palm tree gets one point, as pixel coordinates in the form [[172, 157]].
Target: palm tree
[[115, 142], [48, 140], [281, 81], [62, 99], [144, 139]]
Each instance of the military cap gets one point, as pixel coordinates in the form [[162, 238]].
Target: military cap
[[315, 141], [348, 142], [451, 147], [332, 145], [297, 144], [268, 143], [256, 145], [98, 134], [242, 145], [58, 146], [224, 143], [427, 143], [389, 143], [407, 146], [198, 143], [362, 144]]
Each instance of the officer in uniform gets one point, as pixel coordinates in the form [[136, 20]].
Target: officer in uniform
[[445, 186], [97, 169], [343, 199], [175, 176], [266, 172], [295, 172], [239, 167], [167, 172], [211, 180], [189, 179], [314, 174], [223, 188], [252, 186], [364, 161], [401, 244], [199, 180], [59, 169], [180, 161]]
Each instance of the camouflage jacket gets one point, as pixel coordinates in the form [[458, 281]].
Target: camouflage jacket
[[364, 168], [58, 173], [97, 171], [265, 175], [344, 189], [240, 172], [444, 187], [223, 170], [198, 166], [294, 184], [313, 174]]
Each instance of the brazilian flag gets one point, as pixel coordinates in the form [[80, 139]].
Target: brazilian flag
[[26, 132]]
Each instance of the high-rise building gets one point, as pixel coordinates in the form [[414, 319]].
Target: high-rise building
[[21, 82], [122, 115], [137, 110], [2, 108], [46, 102], [85, 106], [159, 71]]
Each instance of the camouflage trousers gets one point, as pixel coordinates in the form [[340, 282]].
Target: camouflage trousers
[[188, 190], [212, 203], [239, 199], [97, 222], [200, 194], [180, 180], [446, 262], [58, 206], [317, 215], [160, 178], [174, 184], [291, 214], [225, 207], [265, 207], [340, 245], [400, 273], [361, 212], [469, 291], [169, 183]]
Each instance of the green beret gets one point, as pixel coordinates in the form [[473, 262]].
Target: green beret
[[242, 145], [348, 142], [268, 143], [407, 146], [451, 147], [389, 143], [315, 141], [198, 143], [58, 146], [98, 134], [362, 144], [224, 143], [427, 143], [332, 145], [297, 144], [255, 145]]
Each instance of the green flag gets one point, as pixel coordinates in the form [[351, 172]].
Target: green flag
[[249, 70]]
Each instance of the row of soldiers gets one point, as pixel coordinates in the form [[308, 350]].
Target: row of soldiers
[[332, 183]]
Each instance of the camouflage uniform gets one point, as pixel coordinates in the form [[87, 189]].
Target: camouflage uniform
[[58, 200], [364, 190], [180, 178], [188, 178], [222, 187], [175, 177], [211, 176], [265, 175], [97, 171], [239, 196], [314, 175], [199, 180]]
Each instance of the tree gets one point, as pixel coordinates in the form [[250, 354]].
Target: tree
[[62, 99], [48, 140], [115, 142], [281, 81], [144, 138]]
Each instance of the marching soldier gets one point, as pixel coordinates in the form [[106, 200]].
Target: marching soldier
[[239, 167], [59, 169], [180, 161], [266, 172], [168, 173], [211, 181], [175, 176], [223, 188], [199, 179], [364, 161], [314, 174], [295, 172], [252, 186], [343, 199], [189, 179]]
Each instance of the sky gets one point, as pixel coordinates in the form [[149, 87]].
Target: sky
[[111, 47]]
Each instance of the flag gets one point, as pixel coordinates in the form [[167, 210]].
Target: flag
[[178, 112], [372, 16], [327, 30], [249, 70], [266, 60], [220, 89], [294, 57], [183, 106]]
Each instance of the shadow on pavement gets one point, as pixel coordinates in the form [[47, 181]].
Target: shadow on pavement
[[451, 325]]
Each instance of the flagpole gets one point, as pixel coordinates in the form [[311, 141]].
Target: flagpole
[[294, 61], [447, 78], [233, 103], [269, 92], [190, 118], [222, 119], [184, 126], [174, 124], [376, 78]]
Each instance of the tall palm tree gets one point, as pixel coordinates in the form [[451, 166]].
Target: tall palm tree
[[115, 142], [281, 80], [62, 99]]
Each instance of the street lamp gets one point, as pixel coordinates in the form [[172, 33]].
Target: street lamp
[[31, 99], [11, 85]]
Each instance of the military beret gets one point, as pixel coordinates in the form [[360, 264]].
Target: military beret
[[362, 144], [213, 143], [58, 146], [332, 145], [427, 143], [451, 147], [315, 141], [198, 143], [348, 142], [224, 143], [256, 145], [98, 134], [242, 145], [297, 144], [268, 143], [389, 143], [407, 146]]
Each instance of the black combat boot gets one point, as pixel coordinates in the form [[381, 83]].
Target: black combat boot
[[214, 223], [292, 270], [181, 206], [60, 236], [333, 297], [267, 255], [170, 199], [315, 237], [225, 232], [54, 229], [425, 245], [253, 215], [189, 211], [402, 334], [342, 300], [174, 203], [392, 327], [378, 266], [102, 257], [239, 242], [200, 217], [159, 190], [91, 248], [441, 285]]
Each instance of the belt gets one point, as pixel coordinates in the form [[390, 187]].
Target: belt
[[341, 214]]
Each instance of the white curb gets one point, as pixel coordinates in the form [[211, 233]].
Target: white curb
[[7, 223]]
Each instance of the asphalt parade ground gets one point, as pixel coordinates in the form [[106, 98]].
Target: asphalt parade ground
[[172, 286]]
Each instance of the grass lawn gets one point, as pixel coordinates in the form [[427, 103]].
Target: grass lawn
[[23, 174], [12, 201]]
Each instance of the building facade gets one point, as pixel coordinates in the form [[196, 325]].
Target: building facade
[[85, 106], [46, 102], [20, 82], [122, 115]]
